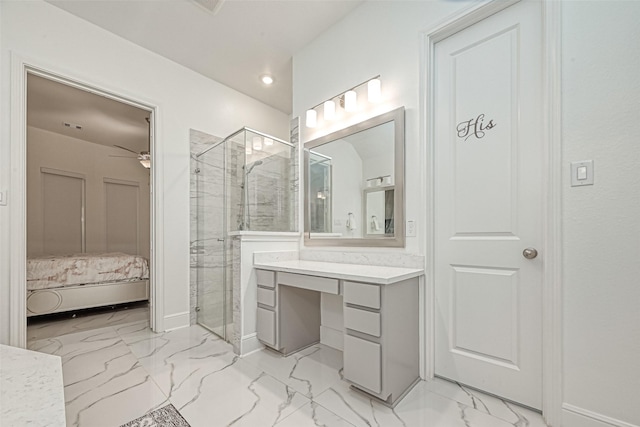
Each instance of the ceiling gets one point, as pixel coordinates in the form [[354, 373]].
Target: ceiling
[[234, 43], [103, 120]]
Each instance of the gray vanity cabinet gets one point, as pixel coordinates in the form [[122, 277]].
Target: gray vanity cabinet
[[267, 318], [381, 353], [381, 341]]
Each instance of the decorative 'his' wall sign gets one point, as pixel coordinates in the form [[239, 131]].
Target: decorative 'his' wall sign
[[474, 127]]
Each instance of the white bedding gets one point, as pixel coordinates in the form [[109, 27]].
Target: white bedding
[[80, 269]]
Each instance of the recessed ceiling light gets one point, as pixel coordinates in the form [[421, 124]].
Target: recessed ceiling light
[[266, 79]]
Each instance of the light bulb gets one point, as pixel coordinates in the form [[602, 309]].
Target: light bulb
[[266, 79], [312, 118], [350, 101], [373, 87], [329, 110], [257, 143]]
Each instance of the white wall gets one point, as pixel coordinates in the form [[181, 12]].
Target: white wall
[[56, 151], [601, 225], [63, 43], [601, 116], [379, 37]]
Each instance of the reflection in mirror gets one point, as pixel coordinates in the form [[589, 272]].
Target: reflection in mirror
[[379, 211], [355, 184], [320, 192]]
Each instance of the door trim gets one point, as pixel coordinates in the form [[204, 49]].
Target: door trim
[[20, 66], [551, 314]]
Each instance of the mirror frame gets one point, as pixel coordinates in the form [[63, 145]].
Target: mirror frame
[[398, 240]]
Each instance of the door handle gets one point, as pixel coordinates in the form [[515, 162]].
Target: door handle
[[530, 253]]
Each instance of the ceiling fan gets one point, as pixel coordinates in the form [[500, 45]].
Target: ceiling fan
[[144, 156]]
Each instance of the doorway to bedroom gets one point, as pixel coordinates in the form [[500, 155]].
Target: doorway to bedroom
[[88, 216]]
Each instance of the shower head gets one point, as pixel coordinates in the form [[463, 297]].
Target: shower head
[[253, 165]]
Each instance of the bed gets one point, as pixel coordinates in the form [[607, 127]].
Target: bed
[[72, 282]]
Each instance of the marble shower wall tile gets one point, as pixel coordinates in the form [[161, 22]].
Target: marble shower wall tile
[[294, 174]]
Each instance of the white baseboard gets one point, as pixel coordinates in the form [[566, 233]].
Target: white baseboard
[[176, 321], [332, 338], [574, 416], [250, 343]]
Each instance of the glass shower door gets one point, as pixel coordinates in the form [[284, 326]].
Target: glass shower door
[[212, 291]]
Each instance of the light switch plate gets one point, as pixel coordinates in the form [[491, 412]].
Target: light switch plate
[[578, 175]]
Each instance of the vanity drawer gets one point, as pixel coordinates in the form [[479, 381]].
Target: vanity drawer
[[266, 278], [267, 297], [362, 363], [266, 326], [362, 294], [313, 283], [363, 321]]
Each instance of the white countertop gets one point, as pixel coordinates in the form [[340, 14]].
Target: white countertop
[[31, 388], [356, 272]]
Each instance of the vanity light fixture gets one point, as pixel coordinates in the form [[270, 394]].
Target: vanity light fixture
[[312, 118], [348, 100], [329, 110], [379, 181], [373, 90]]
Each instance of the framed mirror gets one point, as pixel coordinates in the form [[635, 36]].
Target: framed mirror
[[354, 182]]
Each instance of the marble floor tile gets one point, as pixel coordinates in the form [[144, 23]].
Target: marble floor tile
[[310, 371], [312, 415], [238, 394], [115, 374], [37, 330], [517, 415], [420, 407], [104, 383], [178, 359]]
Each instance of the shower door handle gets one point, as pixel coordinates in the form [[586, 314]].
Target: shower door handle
[[220, 240]]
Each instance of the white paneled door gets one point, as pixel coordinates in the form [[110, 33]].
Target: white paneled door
[[488, 207]]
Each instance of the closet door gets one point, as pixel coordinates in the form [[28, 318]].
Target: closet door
[[122, 201], [63, 204]]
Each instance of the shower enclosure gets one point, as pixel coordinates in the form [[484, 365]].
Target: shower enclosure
[[244, 183]]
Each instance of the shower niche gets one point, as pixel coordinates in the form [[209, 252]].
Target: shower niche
[[242, 185]]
